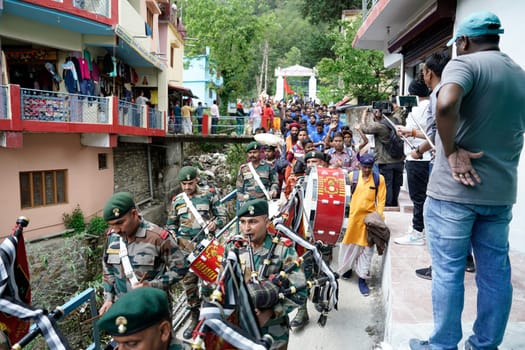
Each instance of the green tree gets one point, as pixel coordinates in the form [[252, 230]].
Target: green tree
[[355, 72], [233, 31], [328, 11]]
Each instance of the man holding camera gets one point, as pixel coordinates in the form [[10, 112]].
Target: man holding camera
[[391, 168]]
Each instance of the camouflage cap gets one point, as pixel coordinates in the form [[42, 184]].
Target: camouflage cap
[[252, 146], [187, 173], [135, 311], [255, 207], [118, 205], [314, 154]]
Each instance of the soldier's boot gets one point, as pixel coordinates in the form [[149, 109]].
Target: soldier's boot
[[193, 323], [301, 318]]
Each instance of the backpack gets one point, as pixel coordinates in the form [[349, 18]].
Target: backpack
[[355, 179], [395, 145]]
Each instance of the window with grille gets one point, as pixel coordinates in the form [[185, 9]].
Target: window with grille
[[41, 188], [102, 161]]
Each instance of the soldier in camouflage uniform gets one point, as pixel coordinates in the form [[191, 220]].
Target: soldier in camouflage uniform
[[183, 223], [247, 187], [153, 254], [141, 320], [271, 312]]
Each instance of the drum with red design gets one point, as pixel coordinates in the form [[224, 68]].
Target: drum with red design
[[206, 259], [327, 203]]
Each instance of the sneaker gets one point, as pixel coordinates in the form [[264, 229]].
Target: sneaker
[[347, 275], [425, 273], [363, 287], [414, 237], [416, 344], [471, 266]]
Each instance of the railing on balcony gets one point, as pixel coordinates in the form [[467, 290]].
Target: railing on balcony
[[168, 14], [98, 7], [3, 101], [368, 5], [130, 114], [155, 119], [63, 107]]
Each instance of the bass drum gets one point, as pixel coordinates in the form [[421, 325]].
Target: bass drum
[[327, 203]]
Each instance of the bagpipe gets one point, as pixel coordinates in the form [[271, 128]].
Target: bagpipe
[[15, 297], [227, 317]]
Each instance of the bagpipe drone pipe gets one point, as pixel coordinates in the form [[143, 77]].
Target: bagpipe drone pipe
[[228, 319]]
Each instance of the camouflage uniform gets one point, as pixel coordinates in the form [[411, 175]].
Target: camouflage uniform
[[181, 220], [247, 187], [183, 223], [153, 253], [284, 254]]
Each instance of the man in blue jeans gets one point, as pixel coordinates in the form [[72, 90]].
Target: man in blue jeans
[[480, 120]]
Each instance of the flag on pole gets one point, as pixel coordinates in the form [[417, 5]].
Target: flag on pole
[[287, 88]]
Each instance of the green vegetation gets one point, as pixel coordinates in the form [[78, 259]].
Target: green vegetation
[[241, 33], [234, 158], [75, 220], [97, 226]]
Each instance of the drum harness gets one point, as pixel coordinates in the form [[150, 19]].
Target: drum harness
[[258, 180]]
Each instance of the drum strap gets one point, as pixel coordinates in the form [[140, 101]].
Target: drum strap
[[258, 180], [195, 213], [126, 264]]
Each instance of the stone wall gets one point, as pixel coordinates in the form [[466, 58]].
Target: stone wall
[[131, 169]]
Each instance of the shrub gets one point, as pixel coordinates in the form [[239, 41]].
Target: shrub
[[97, 226], [75, 220]]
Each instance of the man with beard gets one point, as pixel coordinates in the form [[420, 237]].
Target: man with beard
[[256, 178], [292, 138]]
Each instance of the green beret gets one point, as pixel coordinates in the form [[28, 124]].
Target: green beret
[[314, 154], [255, 207], [118, 205], [252, 146], [135, 311], [188, 173]]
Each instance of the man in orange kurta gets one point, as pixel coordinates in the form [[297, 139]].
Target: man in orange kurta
[[354, 251]]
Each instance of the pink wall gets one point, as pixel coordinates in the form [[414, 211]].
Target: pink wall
[[87, 185]]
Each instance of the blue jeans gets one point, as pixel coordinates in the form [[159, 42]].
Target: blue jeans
[[451, 228], [417, 179]]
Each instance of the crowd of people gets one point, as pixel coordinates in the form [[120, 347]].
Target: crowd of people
[[454, 138]]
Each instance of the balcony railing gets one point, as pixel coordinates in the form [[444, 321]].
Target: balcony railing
[[155, 119], [3, 101], [368, 5], [97, 7], [130, 114], [63, 107], [169, 14]]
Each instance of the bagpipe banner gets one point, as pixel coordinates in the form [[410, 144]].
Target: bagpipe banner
[[15, 294]]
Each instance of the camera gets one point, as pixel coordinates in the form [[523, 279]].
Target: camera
[[383, 106], [408, 101]]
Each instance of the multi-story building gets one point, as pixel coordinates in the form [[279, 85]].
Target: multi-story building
[[72, 72]]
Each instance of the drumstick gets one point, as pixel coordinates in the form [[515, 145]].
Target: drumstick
[[395, 130]]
